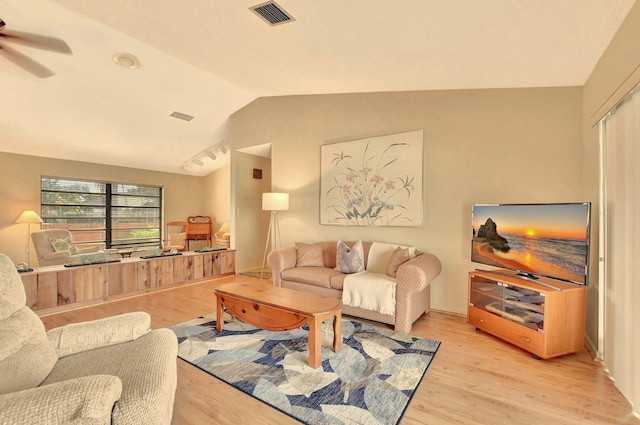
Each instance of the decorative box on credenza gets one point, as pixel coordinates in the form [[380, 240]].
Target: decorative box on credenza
[[543, 316]]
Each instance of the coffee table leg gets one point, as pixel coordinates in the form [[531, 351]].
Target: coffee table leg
[[315, 343], [219, 313], [337, 332]]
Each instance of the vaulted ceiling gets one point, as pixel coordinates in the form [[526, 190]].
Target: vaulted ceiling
[[209, 58]]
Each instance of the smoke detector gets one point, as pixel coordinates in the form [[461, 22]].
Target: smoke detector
[[126, 60]]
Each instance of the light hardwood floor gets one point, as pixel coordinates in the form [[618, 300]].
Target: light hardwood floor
[[474, 379]]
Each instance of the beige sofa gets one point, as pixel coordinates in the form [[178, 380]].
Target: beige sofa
[[108, 371], [411, 282]]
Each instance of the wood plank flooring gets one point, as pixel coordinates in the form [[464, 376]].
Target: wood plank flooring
[[474, 379]]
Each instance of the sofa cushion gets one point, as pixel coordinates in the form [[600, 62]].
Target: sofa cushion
[[317, 276], [330, 252], [12, 295], [26, 358], [309, 255], [147, 368], [399, 256], [379, 255], [65, 244], [329, 249], [337, 281], [349, 259]]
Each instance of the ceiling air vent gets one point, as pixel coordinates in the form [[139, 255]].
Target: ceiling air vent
[[181, 116], [272, 13]]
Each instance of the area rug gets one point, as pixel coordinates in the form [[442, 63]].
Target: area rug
[[370, 381]]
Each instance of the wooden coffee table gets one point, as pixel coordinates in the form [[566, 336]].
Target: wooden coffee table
[[281, 309]]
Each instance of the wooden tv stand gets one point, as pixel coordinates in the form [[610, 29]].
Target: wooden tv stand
[[545, 318]]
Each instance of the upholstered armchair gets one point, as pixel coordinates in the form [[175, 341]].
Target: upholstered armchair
[[108, 371], [223, 235], [176, 236], [50, 255]]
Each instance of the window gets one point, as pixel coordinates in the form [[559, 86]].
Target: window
[[112, 215]]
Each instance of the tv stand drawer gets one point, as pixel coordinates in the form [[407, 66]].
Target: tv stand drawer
[[513, 333]]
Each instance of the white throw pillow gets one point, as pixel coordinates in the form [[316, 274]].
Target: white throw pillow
[[380, 253], [349, 260]]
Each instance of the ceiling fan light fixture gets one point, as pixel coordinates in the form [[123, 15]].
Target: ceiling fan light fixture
[[37, 41], [126, 60]]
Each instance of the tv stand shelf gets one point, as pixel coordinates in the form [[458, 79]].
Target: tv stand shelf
[[545, 317]]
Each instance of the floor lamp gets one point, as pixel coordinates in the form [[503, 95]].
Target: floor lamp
[[29, 217], [274, 202]]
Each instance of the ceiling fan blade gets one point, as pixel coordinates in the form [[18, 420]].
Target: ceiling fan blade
[[25, 62], [43, 42]]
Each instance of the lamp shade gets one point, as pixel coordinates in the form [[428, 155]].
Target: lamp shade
[[226, 227], [28, 216], [275, 201]]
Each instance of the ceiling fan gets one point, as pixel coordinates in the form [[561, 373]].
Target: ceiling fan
[[32, 40]]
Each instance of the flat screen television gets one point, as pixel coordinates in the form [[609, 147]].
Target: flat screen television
[[550, 240]]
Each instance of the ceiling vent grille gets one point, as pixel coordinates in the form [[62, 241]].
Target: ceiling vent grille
[[272, 13], [181, 116]]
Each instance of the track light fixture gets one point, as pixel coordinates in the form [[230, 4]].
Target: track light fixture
[[207, 153]]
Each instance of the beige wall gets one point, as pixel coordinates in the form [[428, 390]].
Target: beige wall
[[216, 193], [251, 223], [617, 72], [480, 146], [20, 190]]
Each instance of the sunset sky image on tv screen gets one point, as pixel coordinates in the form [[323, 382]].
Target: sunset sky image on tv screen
[[544, 239]]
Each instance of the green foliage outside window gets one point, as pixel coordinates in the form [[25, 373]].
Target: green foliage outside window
[[108, 214]]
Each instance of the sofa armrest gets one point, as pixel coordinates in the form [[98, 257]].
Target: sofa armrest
[[78, 337], [55, 255], [417, 273], [413, 280], [89, 250], [279, 260], [86, 400]]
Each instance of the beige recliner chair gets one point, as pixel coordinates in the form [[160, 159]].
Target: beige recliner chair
[[108, 371], [47, 254]]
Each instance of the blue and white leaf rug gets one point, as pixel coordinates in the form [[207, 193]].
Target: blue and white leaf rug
[[370, 381]]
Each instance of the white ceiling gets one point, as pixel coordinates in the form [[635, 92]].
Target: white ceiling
[[209, 58]]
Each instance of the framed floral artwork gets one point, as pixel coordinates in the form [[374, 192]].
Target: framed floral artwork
[[375, 181]]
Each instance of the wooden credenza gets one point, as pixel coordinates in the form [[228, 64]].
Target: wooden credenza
[[55, 288]]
